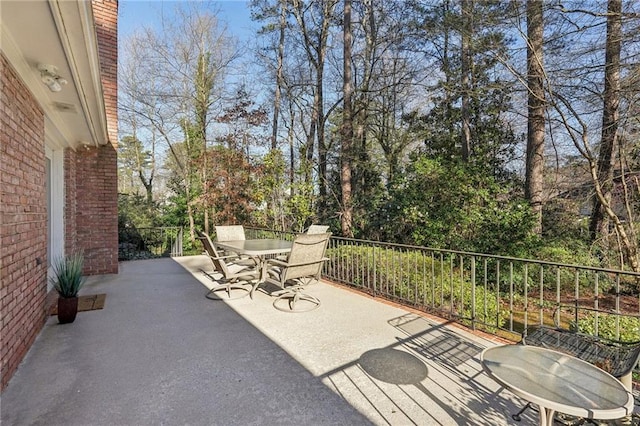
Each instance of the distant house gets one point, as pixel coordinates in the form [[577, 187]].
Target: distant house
[[58, 174]]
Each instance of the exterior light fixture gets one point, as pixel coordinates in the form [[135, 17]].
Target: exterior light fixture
[[50, 77]]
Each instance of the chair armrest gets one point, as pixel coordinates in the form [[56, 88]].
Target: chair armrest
[[283, 264], [275, 262], [230, 256]]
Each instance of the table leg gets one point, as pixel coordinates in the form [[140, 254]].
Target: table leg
[[546, 416]]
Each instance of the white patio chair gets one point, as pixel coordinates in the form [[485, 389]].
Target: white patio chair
[[235, 274], [317, 229], [230, 233], [302, 266]]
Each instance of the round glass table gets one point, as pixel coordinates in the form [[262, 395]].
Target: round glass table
[[557, 382]]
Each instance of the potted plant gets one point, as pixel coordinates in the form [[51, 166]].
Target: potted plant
[[67, 279]]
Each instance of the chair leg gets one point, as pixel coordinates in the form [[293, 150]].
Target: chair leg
[[242, 291], [517, 415], [294, 299], [254, 287]]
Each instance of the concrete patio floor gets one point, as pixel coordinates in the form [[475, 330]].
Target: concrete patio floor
[[161, 353]]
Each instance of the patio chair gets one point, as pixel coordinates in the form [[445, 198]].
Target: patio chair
[[302, 266], [230, 233], [235, 274], [317, 229], [312, 229]]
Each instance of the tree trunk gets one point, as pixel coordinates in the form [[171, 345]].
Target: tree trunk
[[276, 101], [445, 8], [192, 224], [467, 29], [148, 185], [362, 103], [599, 222], [536, 109], [322, 148], [327, 11], [347, 126], [292, 153]]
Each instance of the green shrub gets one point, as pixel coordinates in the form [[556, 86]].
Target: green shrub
[[416, 277], [457, 205], [629, 327]]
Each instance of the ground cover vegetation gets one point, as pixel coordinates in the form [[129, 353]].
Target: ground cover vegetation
[[498, 127]]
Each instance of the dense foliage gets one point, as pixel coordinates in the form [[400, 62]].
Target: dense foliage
[[453, 205], [612, 327], [415, 276], [430, 149]]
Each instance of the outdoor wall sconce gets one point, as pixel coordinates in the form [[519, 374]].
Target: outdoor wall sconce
[[50, 77]]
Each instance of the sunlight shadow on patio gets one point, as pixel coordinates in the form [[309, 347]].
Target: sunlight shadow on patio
[[400, 368], [394, 367]]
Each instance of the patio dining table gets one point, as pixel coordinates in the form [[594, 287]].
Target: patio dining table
[[557, 382], [257, 249]]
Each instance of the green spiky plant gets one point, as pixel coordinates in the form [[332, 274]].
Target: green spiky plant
[[67, 276]]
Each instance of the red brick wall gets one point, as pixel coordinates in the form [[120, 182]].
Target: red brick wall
[[96, 208], [90, 217], [91, 181], [105, 13], [70, 176], [23, 220]]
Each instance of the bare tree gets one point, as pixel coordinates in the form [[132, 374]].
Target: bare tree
[[578, 129], [188, 58], [137, 152], [284, 9], [314, 22], [134, 160]]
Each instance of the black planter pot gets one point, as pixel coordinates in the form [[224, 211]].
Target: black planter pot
[[67, 309]]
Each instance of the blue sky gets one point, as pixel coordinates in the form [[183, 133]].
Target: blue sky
[[136, 13]]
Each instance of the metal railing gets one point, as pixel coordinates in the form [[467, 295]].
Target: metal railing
[[498, 294], [145, 243]]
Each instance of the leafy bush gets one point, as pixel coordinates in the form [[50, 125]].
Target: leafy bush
[[575, 253], [458, 206], [416, 277], [134, 211], [562, 221], [629, 327]]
